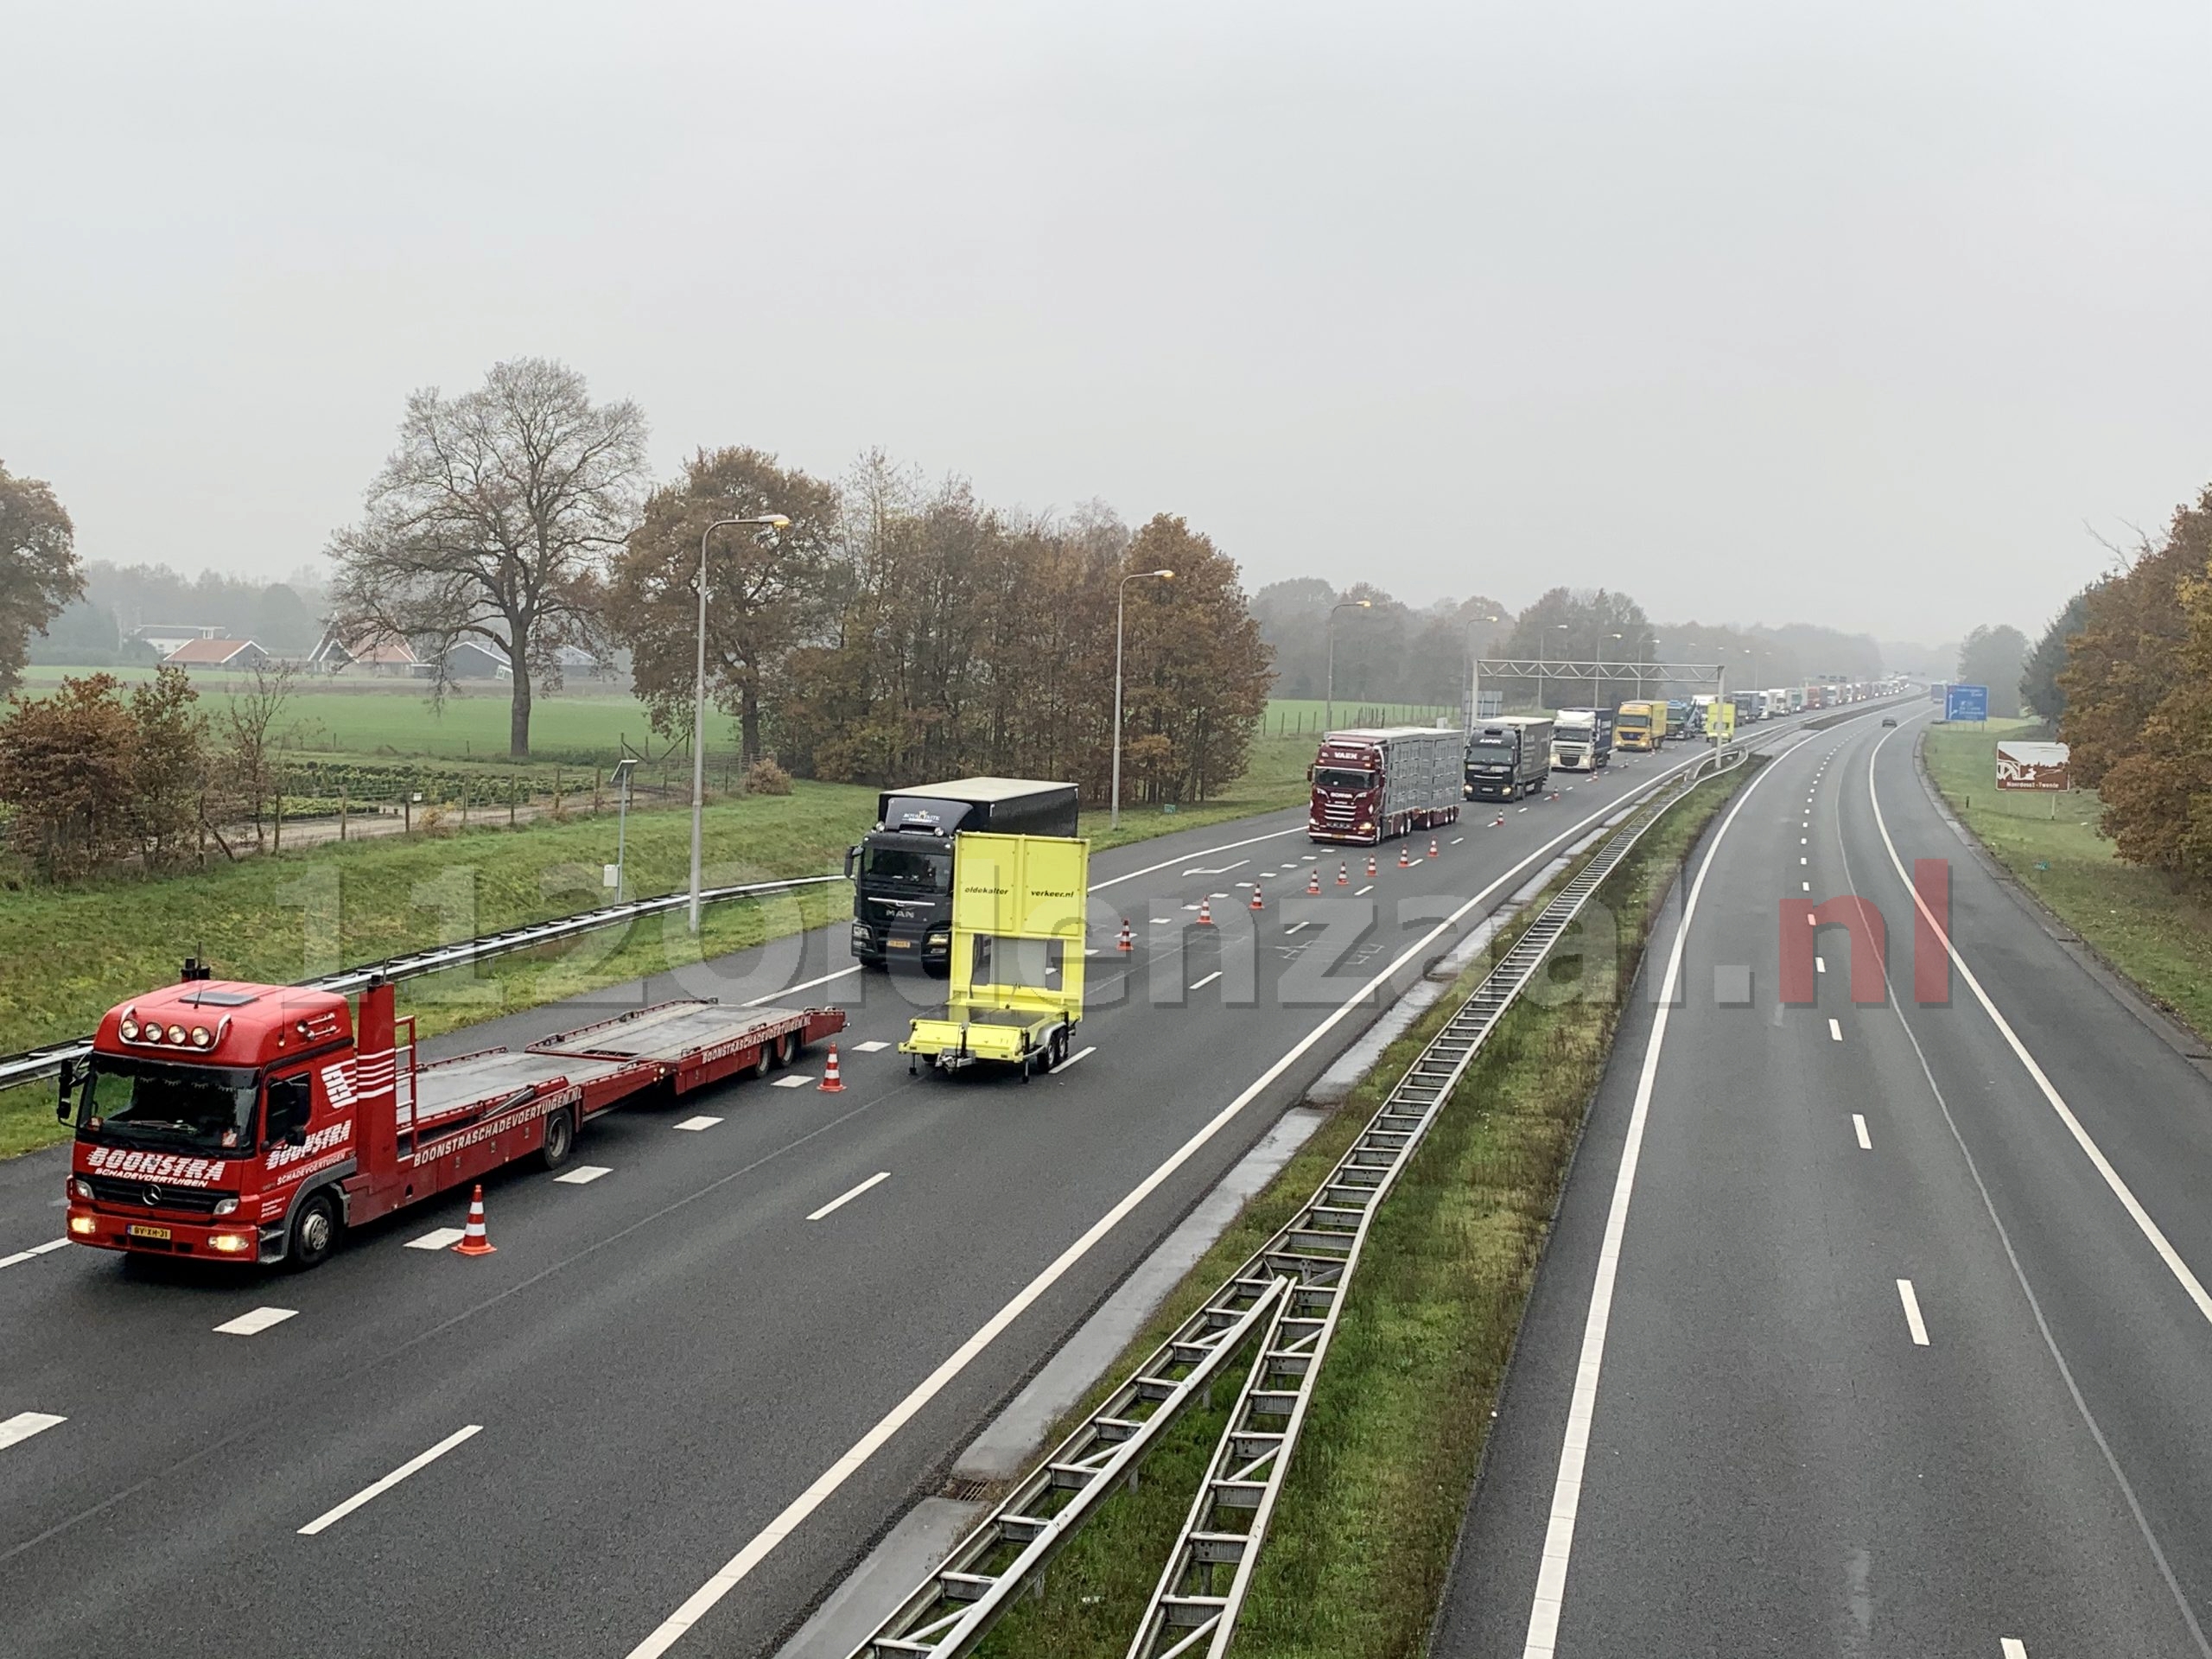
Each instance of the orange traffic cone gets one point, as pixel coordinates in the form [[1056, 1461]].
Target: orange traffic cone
[[831, 1083], [1431, 846], [1404, 863], [1127, 943], [1497, 821], [1313, 882], [474, 1240], [1205, 913], [1257, 902], [1370, 866], [1343, 873]]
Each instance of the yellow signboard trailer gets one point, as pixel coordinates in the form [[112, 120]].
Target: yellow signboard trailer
[[1017, 961]]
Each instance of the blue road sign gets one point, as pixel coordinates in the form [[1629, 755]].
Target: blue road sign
[[1966, 702]]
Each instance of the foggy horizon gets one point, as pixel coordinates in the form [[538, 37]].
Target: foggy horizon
[[1865, 317]]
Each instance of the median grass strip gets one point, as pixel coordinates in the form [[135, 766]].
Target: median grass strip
[[1363, 1537], [2153, 929]]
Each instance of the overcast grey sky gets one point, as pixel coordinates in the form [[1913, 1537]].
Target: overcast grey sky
[[1847, 312]]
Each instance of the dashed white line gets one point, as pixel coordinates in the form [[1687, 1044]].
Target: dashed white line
[[438, 1238], [1859, 1123], [1161, 921], [699, 1123], [872, 1047], [35, 1249], [1200, 984], [2011, 1647], [1912, 1311], [791, 1080], [253, 1324], [329, 1516], [1073, 1058], [1807, 886], [844, 1198], [14, 1430], [1821, 964], [1294, 926], [1835, 1032], [1455, 841], [1360, 892], [583, 1174]]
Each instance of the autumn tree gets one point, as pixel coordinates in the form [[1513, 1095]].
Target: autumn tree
[[1994, 658], [493, 520], [66, 768], [169, 764], [2039, 687], [1565, 625], [765, 588], [39, 573]]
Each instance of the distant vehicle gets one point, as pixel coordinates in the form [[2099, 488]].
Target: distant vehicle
[[1797, 699], [1508, 757], [1889, 720], [1582, 740], [1701, 715], [902, 870], [1777, 701], [1680, 713], [1749, 706], [1370, 786], [1641, 727]]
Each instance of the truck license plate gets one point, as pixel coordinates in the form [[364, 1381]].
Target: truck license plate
[[900, 945], [138, 1231]]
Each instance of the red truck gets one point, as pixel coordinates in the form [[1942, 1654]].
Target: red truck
[[1370, 786], [238, 1122]]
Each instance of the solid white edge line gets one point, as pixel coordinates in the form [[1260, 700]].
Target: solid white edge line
[[1859, 1123], [756, 1550], [2189, 1282], [14, 1430], [1199, 985], [420, 1461], [844, 1198], [1567, 1486], [1912, 1319]]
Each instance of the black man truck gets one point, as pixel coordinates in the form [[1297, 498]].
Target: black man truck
[[902, 870]]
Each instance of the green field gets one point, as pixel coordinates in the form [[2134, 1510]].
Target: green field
[[2150, 927]]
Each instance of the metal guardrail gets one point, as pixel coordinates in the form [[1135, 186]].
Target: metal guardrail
[[35, 1064], [1295, 1281]]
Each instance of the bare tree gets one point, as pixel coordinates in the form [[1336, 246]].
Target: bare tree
[[493, 520], [248, 730]]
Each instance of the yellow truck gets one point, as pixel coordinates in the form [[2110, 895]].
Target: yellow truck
[[1017, 961], [1640, 725]]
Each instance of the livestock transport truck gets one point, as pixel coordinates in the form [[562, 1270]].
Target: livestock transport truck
[[1508, 758], [1372, 785], [902, 872], [227, 1122]]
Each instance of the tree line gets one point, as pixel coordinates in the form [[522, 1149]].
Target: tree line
[[890, 629]]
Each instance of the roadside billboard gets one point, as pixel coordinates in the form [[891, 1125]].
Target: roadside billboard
[[2032, 765], [1966, 703]]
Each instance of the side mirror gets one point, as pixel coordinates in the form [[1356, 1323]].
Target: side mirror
[[1309, 774], [68, 1083], [852, 862]]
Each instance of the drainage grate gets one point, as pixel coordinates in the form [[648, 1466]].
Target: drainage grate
[[967, 1492]]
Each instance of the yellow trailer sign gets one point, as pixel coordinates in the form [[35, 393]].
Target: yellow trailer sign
[[1017, 961], [1720, 720]]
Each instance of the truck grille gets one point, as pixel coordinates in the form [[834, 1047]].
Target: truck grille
[[191, 1200]]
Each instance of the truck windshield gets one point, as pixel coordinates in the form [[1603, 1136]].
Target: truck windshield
[[911, 867], [1491, 749], [1342, 778], [153, 1103]]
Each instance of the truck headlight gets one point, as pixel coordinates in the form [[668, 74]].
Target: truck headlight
[[83, 1226], [80, 1188], [226, 1206], [229, 1244]]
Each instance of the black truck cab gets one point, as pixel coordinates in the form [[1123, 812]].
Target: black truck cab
[[902, 872]]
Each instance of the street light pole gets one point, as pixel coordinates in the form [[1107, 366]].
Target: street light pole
[[768, 520], [1341, 605], [1121, 606]]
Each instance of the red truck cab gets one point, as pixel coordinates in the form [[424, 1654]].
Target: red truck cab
[[237, 1123]]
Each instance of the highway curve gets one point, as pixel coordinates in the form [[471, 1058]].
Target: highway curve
[[683, 1367], [1904, 1348]]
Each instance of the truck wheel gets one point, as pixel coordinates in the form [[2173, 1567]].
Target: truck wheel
[[1059, 1051], [791, 1044], [315, 1230], [560, 1138], [764, 1062]]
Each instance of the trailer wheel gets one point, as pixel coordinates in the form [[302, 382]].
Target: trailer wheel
[[790, 1048], [560, 1138], [764, 1062], [315, 1230]]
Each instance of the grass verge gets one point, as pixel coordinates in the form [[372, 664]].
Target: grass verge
[[2152, 929], [1363, 1537]]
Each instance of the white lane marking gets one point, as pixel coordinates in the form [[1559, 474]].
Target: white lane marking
[[740, 1566], [844, 1198], [1807, 886], [2011, 1647], [1801, 859], [1360, 892], [14, 1430], [1161, 921], [1073, 1058], [438, 1238], [35, 1249], [804, 985], [1821, 964], [1199, 985], [1859, 1122], [870, 1047], [1456, 840], [253, 1324], [1520, 809], [583, 1174], [1801, 841], [1199, 869], [1912, 1313], [2180, 1269], [699, 1123], [376, 1488], [1835, 1032], [1294, 926], [793, 1080], [1220, 895], [1567, 1486]]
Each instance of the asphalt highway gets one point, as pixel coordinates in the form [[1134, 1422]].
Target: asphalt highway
[[686, 1393], [1868, 1327]]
